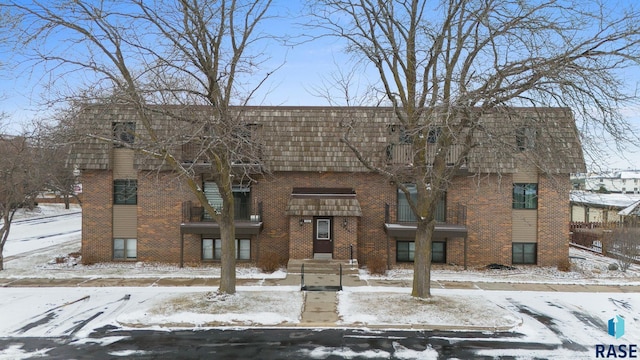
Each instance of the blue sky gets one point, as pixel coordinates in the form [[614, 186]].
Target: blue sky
[[304, 67]]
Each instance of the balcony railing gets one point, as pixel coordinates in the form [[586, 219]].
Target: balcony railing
[[252, 158], [191, 213], [406, 215], [402, 154], [397, 214]]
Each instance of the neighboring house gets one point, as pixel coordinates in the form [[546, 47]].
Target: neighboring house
[[598, 208], [317, 200], [623, 181]]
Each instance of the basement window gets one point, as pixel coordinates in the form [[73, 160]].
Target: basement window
[[524, 253], [212, 249], [125, 249]]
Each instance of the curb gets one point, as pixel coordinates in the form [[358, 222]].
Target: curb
[[390, 327]]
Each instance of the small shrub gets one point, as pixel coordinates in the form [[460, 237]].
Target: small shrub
[[377, 265], [270, 262], [613, 267], [564, 265], [61, 260], [624, 246]]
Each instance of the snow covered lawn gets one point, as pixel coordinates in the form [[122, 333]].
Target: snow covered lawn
[[571, 322], [395, 307]]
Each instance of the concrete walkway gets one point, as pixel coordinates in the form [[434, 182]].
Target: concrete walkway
[[295, 281], [320, 307]]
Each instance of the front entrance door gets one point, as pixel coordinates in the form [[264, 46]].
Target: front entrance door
[[323, 235]]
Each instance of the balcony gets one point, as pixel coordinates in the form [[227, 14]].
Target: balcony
[[191, 156], [402, 154], [400, 222], [195, 221]]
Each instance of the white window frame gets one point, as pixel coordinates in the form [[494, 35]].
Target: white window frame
[[129, 249], [213, 249]]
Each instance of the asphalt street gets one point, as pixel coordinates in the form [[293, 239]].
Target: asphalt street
[[261, 343]]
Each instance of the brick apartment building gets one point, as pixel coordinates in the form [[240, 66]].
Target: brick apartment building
[[315, 199]]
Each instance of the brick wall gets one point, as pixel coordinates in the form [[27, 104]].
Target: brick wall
[[97, 212], [160, 197], [345, 232], [372, 193], [553, 219], [300, 246], [488, 201]]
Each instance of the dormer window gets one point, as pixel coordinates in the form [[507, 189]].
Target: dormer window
[[525, 138], [433, 135], [124, 133]]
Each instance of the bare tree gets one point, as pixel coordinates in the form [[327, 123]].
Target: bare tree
[[52, 143], [20, 181], [60, 174], [443, 66], [148, 54]]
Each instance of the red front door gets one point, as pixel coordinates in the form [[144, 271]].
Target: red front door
[[323, 235]]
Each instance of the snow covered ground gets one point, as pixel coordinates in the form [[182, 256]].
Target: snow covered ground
[[571, 323]]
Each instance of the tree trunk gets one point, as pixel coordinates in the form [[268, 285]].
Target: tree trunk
[[4, 235], [227, 236], [422, 259], [66, 201], [228, 257]]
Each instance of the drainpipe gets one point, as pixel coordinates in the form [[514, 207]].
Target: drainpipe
[[465, 252], [387, 220], [181, 249]]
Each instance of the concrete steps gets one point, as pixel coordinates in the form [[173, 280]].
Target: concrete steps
[[329, 267], [323, 275]]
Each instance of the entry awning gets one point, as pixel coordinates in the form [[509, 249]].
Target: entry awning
[[441, 230], [213, 228], [323, 202]]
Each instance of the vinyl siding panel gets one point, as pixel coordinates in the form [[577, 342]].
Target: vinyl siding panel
[[526, 175], [125, 221], [596, 215], [578, 213], [123, 164], [524, 226]]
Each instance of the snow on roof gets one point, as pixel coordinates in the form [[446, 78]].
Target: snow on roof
[[629, 210], [613, 174], [610, 200], [630, 174]]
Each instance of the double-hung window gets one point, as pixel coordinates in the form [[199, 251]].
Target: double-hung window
[[433, 135], [525, 196], [526, 138], [524, 253], [405, 251], [125, 192], [124, 133], [125, 249], [212, 249]]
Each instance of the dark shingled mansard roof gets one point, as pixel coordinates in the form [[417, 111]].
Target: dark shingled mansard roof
[[308, 138]]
